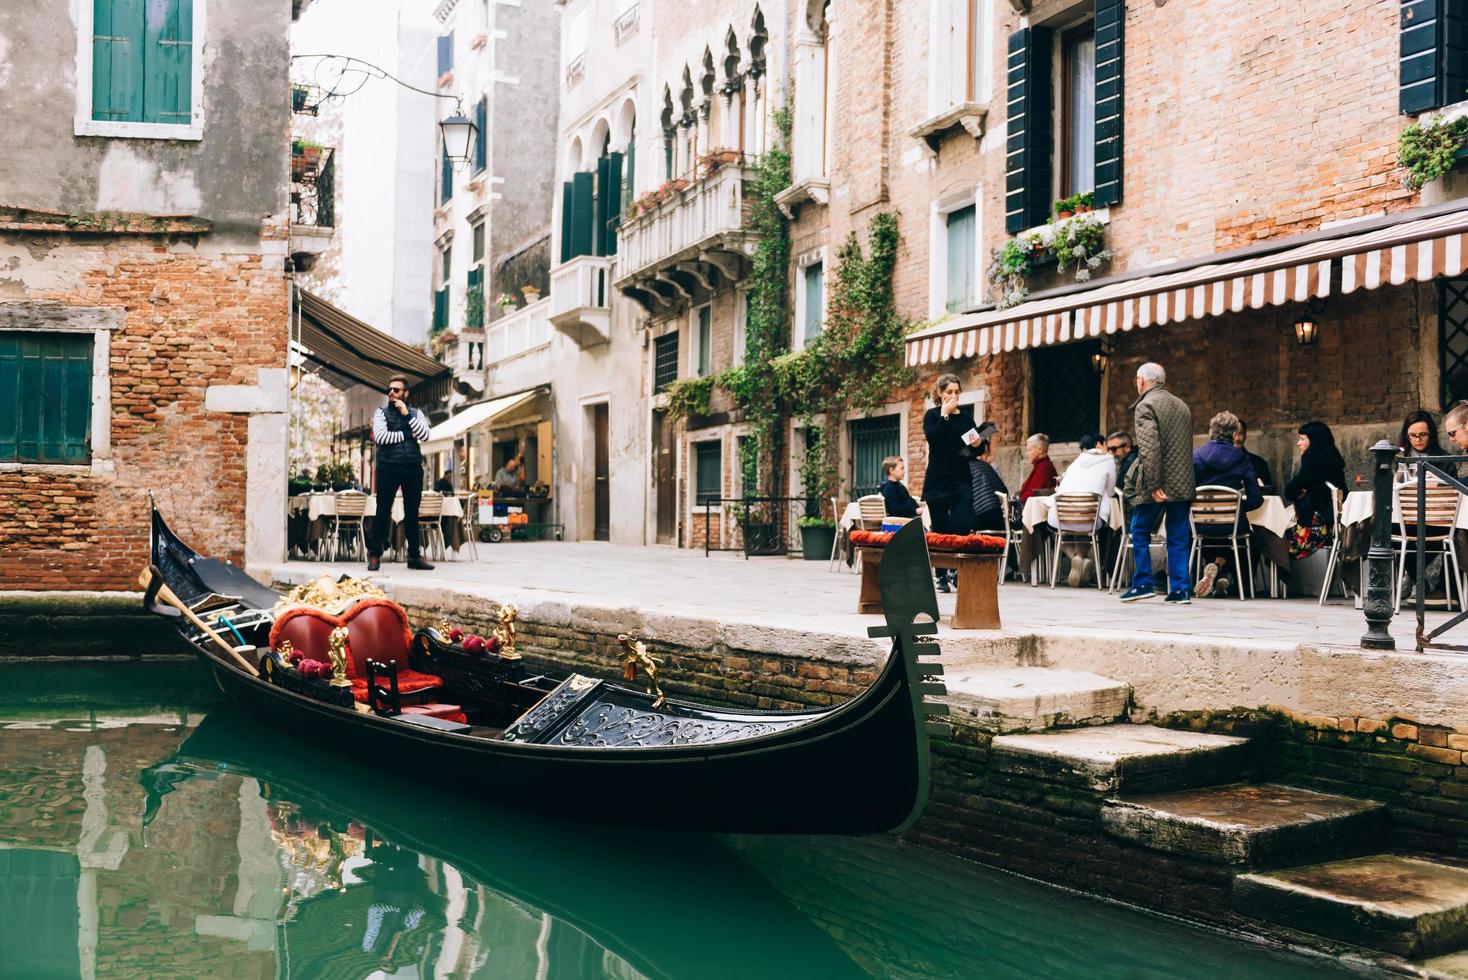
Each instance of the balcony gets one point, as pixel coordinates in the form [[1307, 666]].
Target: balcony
[[519, 331], [687, 241], [312, 202], [580, 300]]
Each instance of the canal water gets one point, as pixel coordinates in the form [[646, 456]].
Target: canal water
[[148, 830]]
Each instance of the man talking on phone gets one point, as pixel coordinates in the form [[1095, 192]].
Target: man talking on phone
[[397, 430]]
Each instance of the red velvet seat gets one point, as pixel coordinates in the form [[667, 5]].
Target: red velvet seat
[[377, 629]]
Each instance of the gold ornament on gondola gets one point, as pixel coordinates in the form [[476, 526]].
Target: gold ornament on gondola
[[506, 631], [330, 595], [635, 655], [339, 658]]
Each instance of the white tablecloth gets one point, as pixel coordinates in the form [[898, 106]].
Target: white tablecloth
[[851, 516], [318, 505], [1038, 510], [1360, 505], [1272, 515]]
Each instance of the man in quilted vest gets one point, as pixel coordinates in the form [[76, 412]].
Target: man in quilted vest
[[1159, 485]]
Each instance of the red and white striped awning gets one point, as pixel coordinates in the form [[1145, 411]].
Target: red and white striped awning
[[1418, 249]]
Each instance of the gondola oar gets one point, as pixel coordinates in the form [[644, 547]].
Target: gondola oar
[[145, 579]]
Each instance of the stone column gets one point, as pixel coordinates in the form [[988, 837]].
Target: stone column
[[265, 463]]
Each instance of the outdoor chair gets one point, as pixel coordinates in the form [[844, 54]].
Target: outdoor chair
[[430, 523], [1122, 567], [470, 504], [1077, 508], [1333, 566], [347, 524], [1441, 519], [1219, 509], [873, 508], [840, 544], [1010, 545]]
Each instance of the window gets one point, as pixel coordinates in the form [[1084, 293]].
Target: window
[[664, 362], [708, 464], [1066, 391], [1452, 295], [812, 301], [815, 94], [477, 248], [961, 242], [446, 264], [703, 329], [959, 45], [872, 440], [445, 53], [1077, 149], [139, 69], [445, 175], [481, 135], [46, 416], [741, 325], [1432, 45]]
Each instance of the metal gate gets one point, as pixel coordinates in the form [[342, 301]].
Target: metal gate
[[872, 440]]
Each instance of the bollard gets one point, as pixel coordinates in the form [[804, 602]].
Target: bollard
[[1379, 602]]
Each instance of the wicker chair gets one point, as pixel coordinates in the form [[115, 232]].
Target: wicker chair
[[873, 509], [1220, 508], [347, 524], [1441, 517], [1077, 508], [430, 523]]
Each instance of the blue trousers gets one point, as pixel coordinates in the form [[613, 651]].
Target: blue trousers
[[1145, 519]]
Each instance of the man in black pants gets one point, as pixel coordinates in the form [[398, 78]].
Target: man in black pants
[[397, 430]]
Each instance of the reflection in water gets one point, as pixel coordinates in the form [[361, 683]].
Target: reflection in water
[[138, 841]]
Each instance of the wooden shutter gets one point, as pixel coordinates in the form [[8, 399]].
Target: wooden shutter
[[446, 52], [567, 210], [445, 174], [582, 195], [601, 207], [612, 193], [117, 60], [481, 135], [1434, 55], [168, 62], [1110, 52], [440, 309], [50, 378], [1029, 142]]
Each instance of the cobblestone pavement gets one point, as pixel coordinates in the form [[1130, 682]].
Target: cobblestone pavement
[[794, 594]]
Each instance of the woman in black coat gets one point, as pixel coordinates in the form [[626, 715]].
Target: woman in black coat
[[946, 484], [1320, 463]]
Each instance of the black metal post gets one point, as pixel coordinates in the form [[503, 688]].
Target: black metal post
[[1380, 602]]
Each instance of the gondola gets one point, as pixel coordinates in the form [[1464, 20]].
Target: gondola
[[578, 747]]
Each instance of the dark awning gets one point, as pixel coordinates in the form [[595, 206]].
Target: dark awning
[[354, 352]]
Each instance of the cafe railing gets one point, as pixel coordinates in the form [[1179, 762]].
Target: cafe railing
[[1381, 596], [754, 525]]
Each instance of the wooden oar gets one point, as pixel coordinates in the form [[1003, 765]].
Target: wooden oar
[[145, 579]]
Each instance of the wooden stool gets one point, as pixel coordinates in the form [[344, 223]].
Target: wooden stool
[[978, 586]]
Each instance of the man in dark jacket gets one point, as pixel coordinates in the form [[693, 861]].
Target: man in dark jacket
[[1160, 485], [397, 430], [1119, 445]]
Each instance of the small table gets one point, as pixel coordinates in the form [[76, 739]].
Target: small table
[[978, 585]]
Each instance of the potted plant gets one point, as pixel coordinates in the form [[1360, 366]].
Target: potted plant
[[300, 94], [1064, 208], [1081, 243], [817, 537], [506, 303], [758, 530], [305, 156], [532, 294], [1084, 201]]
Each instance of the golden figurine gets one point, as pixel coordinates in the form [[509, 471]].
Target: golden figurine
[[443, 629], [506, 632], [339, 658], [635, 655], [285, 650]]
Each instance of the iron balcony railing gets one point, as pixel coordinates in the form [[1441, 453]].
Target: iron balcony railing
[[1381, 598], [313, 188], [753, 525]]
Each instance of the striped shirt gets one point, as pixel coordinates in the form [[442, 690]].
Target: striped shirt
[[384, 436]]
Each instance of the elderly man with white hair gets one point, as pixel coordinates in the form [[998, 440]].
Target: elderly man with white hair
[[1043, 477], [1160, 485]]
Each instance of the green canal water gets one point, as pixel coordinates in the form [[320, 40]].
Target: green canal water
[[148, 830]]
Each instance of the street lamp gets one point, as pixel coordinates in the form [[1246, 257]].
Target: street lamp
[[458, 137], [1307, 325]]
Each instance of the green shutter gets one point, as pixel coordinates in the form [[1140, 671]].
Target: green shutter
[[1110, 59], [168, 61], [567, 209], [117, 60], [445, 174], [601, 206], [49, 415], [708, 475], [961, 234], [1433, 55], [629, 173], [440, 309], [582, 194], [613, 196], [1028, 140], [481, 135]]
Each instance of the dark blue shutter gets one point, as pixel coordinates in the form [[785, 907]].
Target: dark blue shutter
[[582, 216], [1110, 61], [1029, 141], [481, 135], [1434, 55], [446, 52], [445, 174], [567, 212]]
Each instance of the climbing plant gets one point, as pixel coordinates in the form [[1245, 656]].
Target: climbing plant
[[1428, 150], [689, 396]]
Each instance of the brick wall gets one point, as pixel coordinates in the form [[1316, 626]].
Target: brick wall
[[195, 314]]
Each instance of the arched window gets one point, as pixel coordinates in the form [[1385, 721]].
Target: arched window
[[688, 122], [708, 106], [670, 133], [624, 134], [732, 134], [759, 39], [815, 93]]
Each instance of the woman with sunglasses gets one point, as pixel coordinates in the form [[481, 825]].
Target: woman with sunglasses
[[397, 430]]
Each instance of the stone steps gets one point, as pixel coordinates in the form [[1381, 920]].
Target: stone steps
[[1247, 825], [1113, 758], [1027, 699], [1404, 905]]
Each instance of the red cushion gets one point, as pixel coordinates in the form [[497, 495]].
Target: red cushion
[[377, 629], [967, 543], [448, 712]]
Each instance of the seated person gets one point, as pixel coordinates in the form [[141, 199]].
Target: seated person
[[444, 484], [1093, 471], [1222, 462], [899, 502], [1042, 477], [510, 478], [987, 484], [1261, 468]]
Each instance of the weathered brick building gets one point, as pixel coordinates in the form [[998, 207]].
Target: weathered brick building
[[144, 295]]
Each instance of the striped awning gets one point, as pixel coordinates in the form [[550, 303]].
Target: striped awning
[[1393, 253], [353, 352]]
